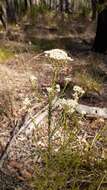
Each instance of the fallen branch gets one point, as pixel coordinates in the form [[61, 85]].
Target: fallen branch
[[92, 111], [34, 121]]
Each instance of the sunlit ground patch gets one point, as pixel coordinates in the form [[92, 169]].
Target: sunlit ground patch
[[5, 54]]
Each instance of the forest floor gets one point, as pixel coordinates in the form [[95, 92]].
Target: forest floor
[[21, 57]]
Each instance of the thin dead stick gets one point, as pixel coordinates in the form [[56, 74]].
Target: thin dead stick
[[34, 57]]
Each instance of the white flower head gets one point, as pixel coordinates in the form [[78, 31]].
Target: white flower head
[[58, 88], [78, 92], [57, 54], [80, 122], [101, 120], [49, 89], [83, 112], [34, 81], [33, 78], [30, 43], [68, 79], [68, 104], [26, 101], [53, 90], [78, 89], [16, 55]]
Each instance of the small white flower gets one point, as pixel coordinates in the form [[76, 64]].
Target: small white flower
[[83, 112], [33, 78], [78, 89], [68, 79], [80, 122], [26, 101], [16, 55], [30, 43], [40, 144], [58, 88], [71, 103], [76, 96], [17, 25], [68, 104], [49, 89], [70, 59], [78, 92], [34, 81], [101, 120]]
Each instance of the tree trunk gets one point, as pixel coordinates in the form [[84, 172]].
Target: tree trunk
[[66, 6], [100, 42], [94, 8], [61, 5], [3, 16], [10, 10]]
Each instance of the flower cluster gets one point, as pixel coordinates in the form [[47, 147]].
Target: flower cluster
[[26, 101], [57, 54], [78, 92], [51, 90], [69, 105]]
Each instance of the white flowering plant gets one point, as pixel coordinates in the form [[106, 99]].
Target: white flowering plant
[[70, 104], [57, 54]]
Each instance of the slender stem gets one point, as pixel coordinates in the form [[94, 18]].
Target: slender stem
[[49, 125], [101, 181]]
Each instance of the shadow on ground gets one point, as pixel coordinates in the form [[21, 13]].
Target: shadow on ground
[[76, 45], [9, 182]]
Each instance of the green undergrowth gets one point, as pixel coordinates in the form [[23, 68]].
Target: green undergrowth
[[46, 44], [68, 170]]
